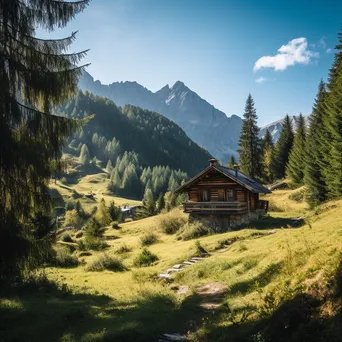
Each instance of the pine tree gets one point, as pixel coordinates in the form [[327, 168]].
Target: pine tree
[[249, 142], [296, 164], [84, 155], [115, 181], [332, 133], [149, 203], [314, 180], [109, 166], [40, 73], [283, 147], [160, 202], [231, 162], [268, 157]]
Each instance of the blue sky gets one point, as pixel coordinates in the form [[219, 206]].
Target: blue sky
[[215, 47]]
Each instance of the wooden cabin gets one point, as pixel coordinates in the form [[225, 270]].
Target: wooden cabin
[[223, 198]]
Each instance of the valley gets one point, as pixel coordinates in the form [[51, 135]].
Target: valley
[[253, 263]]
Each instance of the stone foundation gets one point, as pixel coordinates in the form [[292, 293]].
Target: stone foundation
[[223, 223]]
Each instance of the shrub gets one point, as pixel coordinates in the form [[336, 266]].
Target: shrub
[[64, 258], [148, 239], [106, 262], [123, 249], [171, 222], [145, 258], [199, 250], [66, 238], [115, 225], [81, 246], [194, 231], [95, 243]]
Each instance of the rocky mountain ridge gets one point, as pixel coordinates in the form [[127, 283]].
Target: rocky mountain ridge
[[202, 122]]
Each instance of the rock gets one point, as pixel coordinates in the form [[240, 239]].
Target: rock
[[171, 270], [188, 263], [164, 276], [273, 231], [196, 259], [177, 266], [175, 337]]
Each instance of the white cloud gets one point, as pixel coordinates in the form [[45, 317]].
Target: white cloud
[[260, 80], [328, 51], [294, 52]]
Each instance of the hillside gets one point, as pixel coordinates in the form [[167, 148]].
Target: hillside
[[156, 140], [201, 121], [275, 281]]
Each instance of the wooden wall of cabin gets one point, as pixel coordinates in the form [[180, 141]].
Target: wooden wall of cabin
[[254, 199], [216, 184], [217, 193]]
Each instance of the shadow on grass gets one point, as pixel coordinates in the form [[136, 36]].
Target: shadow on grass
[[270, 222], [43, 312], [309, 317], [260, 280]]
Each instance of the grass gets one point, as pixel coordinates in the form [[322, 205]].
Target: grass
[[292, 266]]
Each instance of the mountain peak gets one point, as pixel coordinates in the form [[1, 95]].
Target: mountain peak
[[163, 92], [179, 84]]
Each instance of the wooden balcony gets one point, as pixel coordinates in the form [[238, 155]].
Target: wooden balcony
[[215, 207]]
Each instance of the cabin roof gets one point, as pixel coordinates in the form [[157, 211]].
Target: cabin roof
[[245, 181]]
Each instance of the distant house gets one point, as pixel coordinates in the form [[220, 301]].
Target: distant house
[[130, 211], [223, 198]]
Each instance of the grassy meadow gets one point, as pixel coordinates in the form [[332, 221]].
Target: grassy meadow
[[291, 254]]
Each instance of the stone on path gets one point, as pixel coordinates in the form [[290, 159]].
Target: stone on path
[[177, 266], [171, 270], [175, 337], [189, 263], [164, 276], [196, 259]]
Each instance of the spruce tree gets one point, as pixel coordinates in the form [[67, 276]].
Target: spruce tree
[[160, 202], [149, 203], [332, 133], [268, 157], [283, 147], [84, 155], [34, 74], [109, 166], [249, 142], [314, 180], [296, 164]]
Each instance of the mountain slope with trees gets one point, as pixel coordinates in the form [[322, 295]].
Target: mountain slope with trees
[[115, 130]]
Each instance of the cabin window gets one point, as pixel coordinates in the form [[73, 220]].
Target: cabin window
[[229, 195], [205, 196]]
